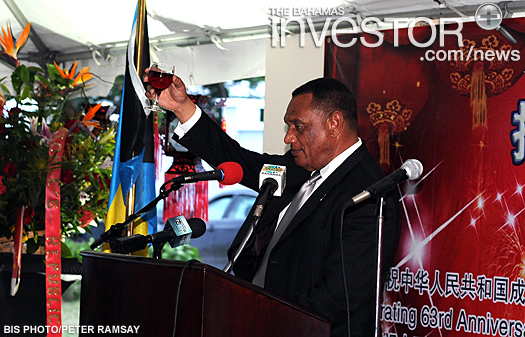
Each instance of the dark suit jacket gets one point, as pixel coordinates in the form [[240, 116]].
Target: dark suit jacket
[[305, 266]]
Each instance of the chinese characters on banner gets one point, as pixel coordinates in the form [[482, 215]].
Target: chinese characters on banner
[[459, 269]]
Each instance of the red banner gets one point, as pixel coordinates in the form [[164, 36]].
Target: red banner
[[53, 225], [17, 251], [459, 269]]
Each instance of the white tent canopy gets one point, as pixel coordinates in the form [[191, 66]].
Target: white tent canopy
[[208, 41]]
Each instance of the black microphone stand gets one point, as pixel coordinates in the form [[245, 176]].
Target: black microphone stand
[[157, 250], [158, 245], [380, 221], [379, 263], [115, 231], [228, 268], [267, 191]]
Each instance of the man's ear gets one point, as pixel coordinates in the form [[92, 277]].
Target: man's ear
[[335, 123]]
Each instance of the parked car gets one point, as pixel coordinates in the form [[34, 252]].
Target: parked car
[[227, 211]]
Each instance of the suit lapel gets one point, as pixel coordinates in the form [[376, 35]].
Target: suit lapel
[[325, 188]]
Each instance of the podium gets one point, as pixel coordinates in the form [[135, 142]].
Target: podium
[[122, 292]]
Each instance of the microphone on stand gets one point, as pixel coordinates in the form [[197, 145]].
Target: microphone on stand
[[227, 173], [410, 170], [178, 231], [272, 180]]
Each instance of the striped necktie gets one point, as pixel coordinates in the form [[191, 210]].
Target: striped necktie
[[298, 200]]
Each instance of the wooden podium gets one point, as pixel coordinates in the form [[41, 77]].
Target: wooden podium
[[121, 291]]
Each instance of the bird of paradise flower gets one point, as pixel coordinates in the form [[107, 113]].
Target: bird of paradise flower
[[88, 118], [10, 48], [82, 77], [87, 122]]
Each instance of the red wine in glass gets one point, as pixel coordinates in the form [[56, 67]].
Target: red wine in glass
[[160, 77], [159, 80]]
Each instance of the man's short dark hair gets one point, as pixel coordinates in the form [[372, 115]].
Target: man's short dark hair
[[329, 95]]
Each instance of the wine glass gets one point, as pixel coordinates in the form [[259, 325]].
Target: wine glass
[[160, 76]]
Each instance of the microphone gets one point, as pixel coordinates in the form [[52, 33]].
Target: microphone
[[177, 232], [276, 173], [411, 170], [272, 180], [227, 173]]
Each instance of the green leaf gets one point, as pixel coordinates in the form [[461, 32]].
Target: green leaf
[[52, 71], [26, 92], [42, 79], [66, 252], [17, 82], [106, 137], [5, 89], [35, 70], [24, 74]]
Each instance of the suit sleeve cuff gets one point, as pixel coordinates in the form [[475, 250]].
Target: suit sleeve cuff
[[183, 128]]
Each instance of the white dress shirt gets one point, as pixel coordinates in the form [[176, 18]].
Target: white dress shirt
[[327, 170]]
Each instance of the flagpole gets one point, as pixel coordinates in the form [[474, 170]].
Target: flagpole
[[139, 42], [130, 209], [141, 18]]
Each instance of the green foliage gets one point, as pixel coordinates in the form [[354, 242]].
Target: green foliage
[[75, 247], [181, 253], [45, 102]]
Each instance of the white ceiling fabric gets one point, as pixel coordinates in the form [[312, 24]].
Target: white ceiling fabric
[[96, 32]]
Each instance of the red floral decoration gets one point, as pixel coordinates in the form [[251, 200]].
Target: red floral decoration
[[2, 186], [10, 170], [86, 217], [66, 176], [29, 213]]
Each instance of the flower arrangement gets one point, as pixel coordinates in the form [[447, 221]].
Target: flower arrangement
[[39, 102]]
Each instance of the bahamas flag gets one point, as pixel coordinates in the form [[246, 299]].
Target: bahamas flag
[[134, 162]]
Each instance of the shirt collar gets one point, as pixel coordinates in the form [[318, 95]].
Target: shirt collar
[[337, 161]]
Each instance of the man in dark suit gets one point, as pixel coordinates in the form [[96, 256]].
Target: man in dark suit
[[322, 241]]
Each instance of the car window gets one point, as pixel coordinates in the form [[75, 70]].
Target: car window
[[218, 207], [241, 208]]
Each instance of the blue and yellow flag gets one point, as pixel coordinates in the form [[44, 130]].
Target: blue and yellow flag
[[134, 162]]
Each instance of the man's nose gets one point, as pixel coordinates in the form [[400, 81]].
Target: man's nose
[[289, 137]]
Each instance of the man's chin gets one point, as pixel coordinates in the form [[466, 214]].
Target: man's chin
[[301, 162]]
